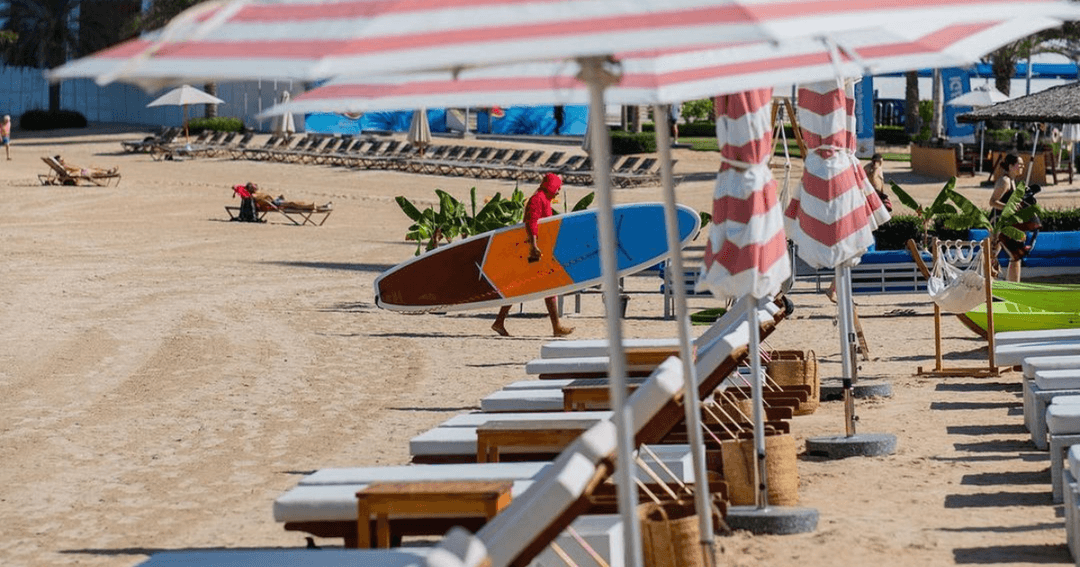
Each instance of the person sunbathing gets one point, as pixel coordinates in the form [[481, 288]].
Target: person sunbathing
[[77, 171], [265, 202]]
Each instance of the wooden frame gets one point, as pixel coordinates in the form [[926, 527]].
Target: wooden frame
[[939, 368]]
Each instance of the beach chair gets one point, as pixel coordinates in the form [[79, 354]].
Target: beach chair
[[1063, 427], [1013, 354], [513, 537], [165, 137], [299, 217], [59, 175], [450, 443], [1046, 377]]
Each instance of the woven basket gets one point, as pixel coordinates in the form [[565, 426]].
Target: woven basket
[[670, 534], [781, 470], [796, 368]]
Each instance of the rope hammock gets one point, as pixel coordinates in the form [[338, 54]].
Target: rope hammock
[[955, 289]]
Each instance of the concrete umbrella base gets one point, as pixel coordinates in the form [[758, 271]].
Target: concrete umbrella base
[[858, 445], [772, 520]]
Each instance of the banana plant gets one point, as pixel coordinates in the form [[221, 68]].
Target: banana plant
[[927, 215], [971, 216]]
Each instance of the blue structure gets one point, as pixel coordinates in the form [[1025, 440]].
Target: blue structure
[[519, 120]]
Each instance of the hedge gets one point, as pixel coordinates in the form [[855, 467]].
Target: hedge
[[623, 143], [51, 120], [217, 123], [894, 234]]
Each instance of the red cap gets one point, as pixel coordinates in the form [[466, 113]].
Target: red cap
[[551, 184]]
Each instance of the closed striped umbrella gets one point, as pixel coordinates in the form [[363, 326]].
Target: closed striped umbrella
[[879, 215], [746, 256]]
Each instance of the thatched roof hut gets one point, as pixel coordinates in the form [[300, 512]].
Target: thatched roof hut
[[1060, 104]]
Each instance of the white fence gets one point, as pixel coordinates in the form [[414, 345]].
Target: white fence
[[23, 89]]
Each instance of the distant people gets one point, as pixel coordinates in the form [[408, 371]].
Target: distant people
[[266, 202], [875, 171], [538, 207], [675, 114], [1012, 166], [5, 135]]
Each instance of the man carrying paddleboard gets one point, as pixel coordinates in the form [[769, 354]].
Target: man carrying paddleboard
[[538, 207]]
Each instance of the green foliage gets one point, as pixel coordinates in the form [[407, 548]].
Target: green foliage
[[217, 123], [623, 143], [927, 215], [706, 218], [51, 120], [1059, 219], [973, 217], [453, 220], [696, 111], [894, 234]]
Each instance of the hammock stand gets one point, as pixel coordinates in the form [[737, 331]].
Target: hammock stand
[[939, 367]]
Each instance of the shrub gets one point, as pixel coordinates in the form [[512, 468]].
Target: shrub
[[1060, 219], [217, 124], [630, 143], [49, 120]]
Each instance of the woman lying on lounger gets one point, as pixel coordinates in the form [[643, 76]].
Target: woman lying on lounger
[[264, 202], [76, 171]]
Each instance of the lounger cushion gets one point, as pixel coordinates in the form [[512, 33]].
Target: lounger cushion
[[569, 365], [1063, 419], [538, 384], [547, 399], [1071, 399], [1014, 337], [1067, 379], [1074, 459], [1014, 354], [1035, 363], [401, 557], [424, 473], [335, 502], [475, 419], [599, 347]]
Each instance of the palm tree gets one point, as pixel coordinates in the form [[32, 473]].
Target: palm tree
[[46, 38]]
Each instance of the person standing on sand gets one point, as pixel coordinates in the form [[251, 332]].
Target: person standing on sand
[[1012, 167], [538, 207], [5, 135]]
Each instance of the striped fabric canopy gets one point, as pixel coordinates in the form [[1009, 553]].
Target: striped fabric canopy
[[746, 254], [879, 215], [829, 217], [666, 76], [319, 39]]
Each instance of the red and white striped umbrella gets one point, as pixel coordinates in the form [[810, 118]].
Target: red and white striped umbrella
[[879, 215], [828, 217], [665, 76], [319, 39], [746, 254]]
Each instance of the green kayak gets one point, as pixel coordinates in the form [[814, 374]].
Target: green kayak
[[1009, 316], [1060, 298]]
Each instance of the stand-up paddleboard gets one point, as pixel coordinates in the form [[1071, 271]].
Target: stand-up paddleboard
[[493, 269]]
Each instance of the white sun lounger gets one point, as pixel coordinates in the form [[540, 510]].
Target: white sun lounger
[[1045, 387], [1071, 492], [1014, 354], [1016, 337], [1063, 427]]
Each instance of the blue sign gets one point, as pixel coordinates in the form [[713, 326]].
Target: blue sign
[[955, 82], [864, 117]]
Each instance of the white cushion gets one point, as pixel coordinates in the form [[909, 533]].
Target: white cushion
[[548, 399], [1063, 419], [599, 347], [423, 473], [538, 384], [1057, 379], [334, 502], [1014, 354], [602, 532], [400, 557], [475, 419], [1074, 459], [572, 365], [1074, 399], [1035, 363], [1014, 337]]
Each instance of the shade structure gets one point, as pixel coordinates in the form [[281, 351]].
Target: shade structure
[[184, 96], [283, 123], [667, 76], [419, 130], [317, 39], [1060, 104], [984, 95], [746, 255]]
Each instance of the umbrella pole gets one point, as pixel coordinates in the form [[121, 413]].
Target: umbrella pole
[[690, 399], [843, 303], [593, 74], [982, 142], [761, 483], [1031, 162]]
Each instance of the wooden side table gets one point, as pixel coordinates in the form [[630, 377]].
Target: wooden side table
[[419, 499], [553, 436]]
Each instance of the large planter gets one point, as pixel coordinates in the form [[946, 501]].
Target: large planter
[[935, 162]]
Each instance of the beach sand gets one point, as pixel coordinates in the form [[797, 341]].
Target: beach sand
[[166, 374]]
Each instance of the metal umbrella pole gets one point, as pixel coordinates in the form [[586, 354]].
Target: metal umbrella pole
[[690, 398]]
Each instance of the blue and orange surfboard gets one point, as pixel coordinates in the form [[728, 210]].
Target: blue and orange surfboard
[[492, 269]]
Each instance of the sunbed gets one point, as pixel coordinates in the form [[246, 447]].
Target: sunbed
[[1014, 354], [59, 175], [1063, 428]]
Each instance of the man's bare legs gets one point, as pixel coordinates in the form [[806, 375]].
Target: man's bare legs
[[499, 326], [557, 328]]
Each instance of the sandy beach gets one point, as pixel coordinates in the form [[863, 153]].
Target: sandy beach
[[165, 374]]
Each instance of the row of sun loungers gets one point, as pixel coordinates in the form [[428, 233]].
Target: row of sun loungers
[[1050, 361], [447, 160], [556, 500]]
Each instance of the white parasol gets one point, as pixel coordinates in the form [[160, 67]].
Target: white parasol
[[283, 123], [185, 96], [985, 95], [419, 130]]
